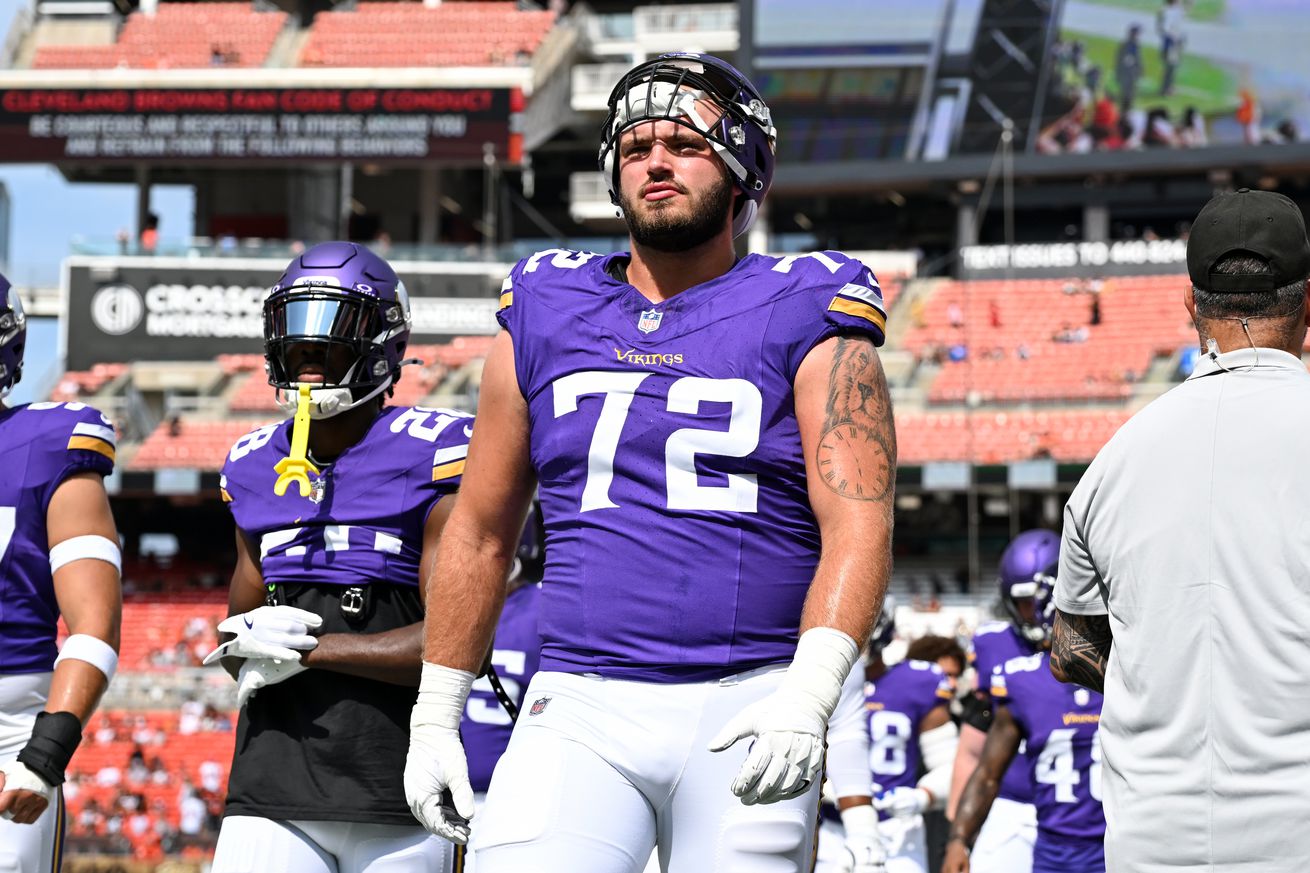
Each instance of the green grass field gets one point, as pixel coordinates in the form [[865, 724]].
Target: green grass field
[[1201, 10], [1200, 83]]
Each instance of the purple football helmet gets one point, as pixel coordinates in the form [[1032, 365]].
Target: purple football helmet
[[1027, 576], [13, 336], [666, 89], [884, 629], [338, 295]]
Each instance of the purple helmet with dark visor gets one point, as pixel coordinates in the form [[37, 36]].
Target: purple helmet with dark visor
[[13, 336], [338, 295], [1027, 573], [667, 88]]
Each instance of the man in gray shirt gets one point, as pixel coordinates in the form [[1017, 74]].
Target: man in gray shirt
[[1184, 581]]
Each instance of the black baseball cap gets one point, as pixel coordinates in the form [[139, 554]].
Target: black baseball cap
[[1262, 223]]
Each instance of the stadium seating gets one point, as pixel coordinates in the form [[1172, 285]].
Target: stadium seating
[[1008, 334], [474, 34], [989, 437], [178, 35], [81, 383], [196, 444]]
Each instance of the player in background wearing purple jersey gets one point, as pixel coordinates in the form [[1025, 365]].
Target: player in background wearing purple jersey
[[1060, 725], [1006, 842], [487, 724], [59, 555], [698, 425], [907, 719], [336, 534], [849, 839]]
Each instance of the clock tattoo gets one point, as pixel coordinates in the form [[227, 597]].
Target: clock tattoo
[[856, 456]]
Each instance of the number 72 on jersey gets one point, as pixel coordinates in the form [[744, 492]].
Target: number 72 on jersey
[[684, 491]]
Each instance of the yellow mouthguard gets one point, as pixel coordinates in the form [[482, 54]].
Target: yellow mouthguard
[[295, 467]]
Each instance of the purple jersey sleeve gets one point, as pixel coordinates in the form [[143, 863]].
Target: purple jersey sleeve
[[363, 518], [1060, 724], [832, 294], [41, 445], [486, 727]]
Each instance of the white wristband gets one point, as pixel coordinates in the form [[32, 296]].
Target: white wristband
[[86, 547], [862, 819], [442, 693], [824, 657], [92, 650]]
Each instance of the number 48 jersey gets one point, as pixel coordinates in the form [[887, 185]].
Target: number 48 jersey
[[680, 537], [1061, 725]]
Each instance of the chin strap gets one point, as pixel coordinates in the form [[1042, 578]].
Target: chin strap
[[295, 467]]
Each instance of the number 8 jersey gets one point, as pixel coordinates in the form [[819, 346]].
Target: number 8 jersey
[[680, 538]]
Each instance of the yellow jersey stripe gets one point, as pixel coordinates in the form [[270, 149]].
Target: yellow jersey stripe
[[92, 444], [859, 310], [1000, 691], [506, 299], [447, 471], [227, 498]]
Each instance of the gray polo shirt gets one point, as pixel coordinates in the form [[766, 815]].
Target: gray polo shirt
[[1191, 530]]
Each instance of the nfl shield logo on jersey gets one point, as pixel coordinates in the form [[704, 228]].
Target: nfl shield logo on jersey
[[539, 706], [650, 320]]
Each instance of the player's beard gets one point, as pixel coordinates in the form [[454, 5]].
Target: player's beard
[[665, 230]]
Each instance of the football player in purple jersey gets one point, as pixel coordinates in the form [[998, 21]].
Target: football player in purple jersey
[[698, 424], [906, 718], [59, 555], [1005, 844], [336, 535], [1059, 723]]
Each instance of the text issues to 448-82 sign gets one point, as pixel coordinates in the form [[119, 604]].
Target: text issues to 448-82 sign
[[292, 124]]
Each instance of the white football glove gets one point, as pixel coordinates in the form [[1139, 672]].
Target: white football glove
[[257, 673], [281, 632], [436, 765], [865, 852], [903, 801], [789, 724], [19, 778]]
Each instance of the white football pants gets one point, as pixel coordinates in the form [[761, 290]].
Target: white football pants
[[36, 847], [607, 770], [904, 839], [247, 844], [1005, 843]]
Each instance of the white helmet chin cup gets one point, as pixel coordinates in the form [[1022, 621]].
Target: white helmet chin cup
[[328, 402]]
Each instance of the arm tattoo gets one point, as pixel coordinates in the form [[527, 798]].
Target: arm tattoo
[[856, 456], [1080, 648]]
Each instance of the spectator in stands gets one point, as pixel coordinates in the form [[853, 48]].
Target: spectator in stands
[[994, 314], [1248, 116], [1128, 67], [149, 240], [955, 314], [1160, 132], [1285, 133], [1191, 133], [1022, 352], [1094, 316], [1105, 120], [216, 57]]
